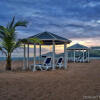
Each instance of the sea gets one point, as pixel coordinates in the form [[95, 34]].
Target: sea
[[17, 58], [37, 58]]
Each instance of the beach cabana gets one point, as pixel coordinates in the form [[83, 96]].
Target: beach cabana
[[81, 48], [48, 39]]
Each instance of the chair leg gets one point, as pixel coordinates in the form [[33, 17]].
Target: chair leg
[[30, 67], [34, 68], [47, 68], [41, 68]]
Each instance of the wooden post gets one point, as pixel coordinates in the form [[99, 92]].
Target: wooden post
[[65, 56], [27, 56], [67, 52], [83, 55], [88, 56], [40, 54], [34, 69], [24, 60], [74, 56], [53, 65]]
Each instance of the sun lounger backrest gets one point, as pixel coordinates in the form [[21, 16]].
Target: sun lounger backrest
[[48, 60], [59, 60]]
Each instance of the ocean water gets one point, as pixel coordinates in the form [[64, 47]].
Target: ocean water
[[37, 58], [17, 58], [98, 58]]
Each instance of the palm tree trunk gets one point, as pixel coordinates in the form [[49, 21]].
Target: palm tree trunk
[[8, 62]]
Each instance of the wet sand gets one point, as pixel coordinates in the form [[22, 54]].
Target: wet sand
[[79, 80]]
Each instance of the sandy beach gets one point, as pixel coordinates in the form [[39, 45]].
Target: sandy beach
[[79, 80]]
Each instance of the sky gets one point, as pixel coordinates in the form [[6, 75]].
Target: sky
[[77, 20]]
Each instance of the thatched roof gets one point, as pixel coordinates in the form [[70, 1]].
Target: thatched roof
[[48, 38], [78, 47]]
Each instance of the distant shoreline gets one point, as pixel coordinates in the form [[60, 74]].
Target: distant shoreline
[[37, 58]]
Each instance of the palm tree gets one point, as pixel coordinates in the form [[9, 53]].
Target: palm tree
[[8, 39]]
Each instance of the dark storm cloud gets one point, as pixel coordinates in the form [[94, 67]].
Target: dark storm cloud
[[72, 18]]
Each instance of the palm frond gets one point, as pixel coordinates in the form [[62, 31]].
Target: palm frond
[[2, 34], [4, 30], [2, 27], [16, 45], [13, 34], [35, 40], [31, 40], [11, 24], [8, 43], [3, 51], [21, 23], [23, 40]]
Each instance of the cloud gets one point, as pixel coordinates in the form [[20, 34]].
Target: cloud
[[87, 42], [92, 4], [70, 18], [78, 20]]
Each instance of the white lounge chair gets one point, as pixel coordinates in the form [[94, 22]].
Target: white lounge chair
[[59, 62], [46, 65]]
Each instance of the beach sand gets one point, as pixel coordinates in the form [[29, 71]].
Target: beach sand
[[79, 80]]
